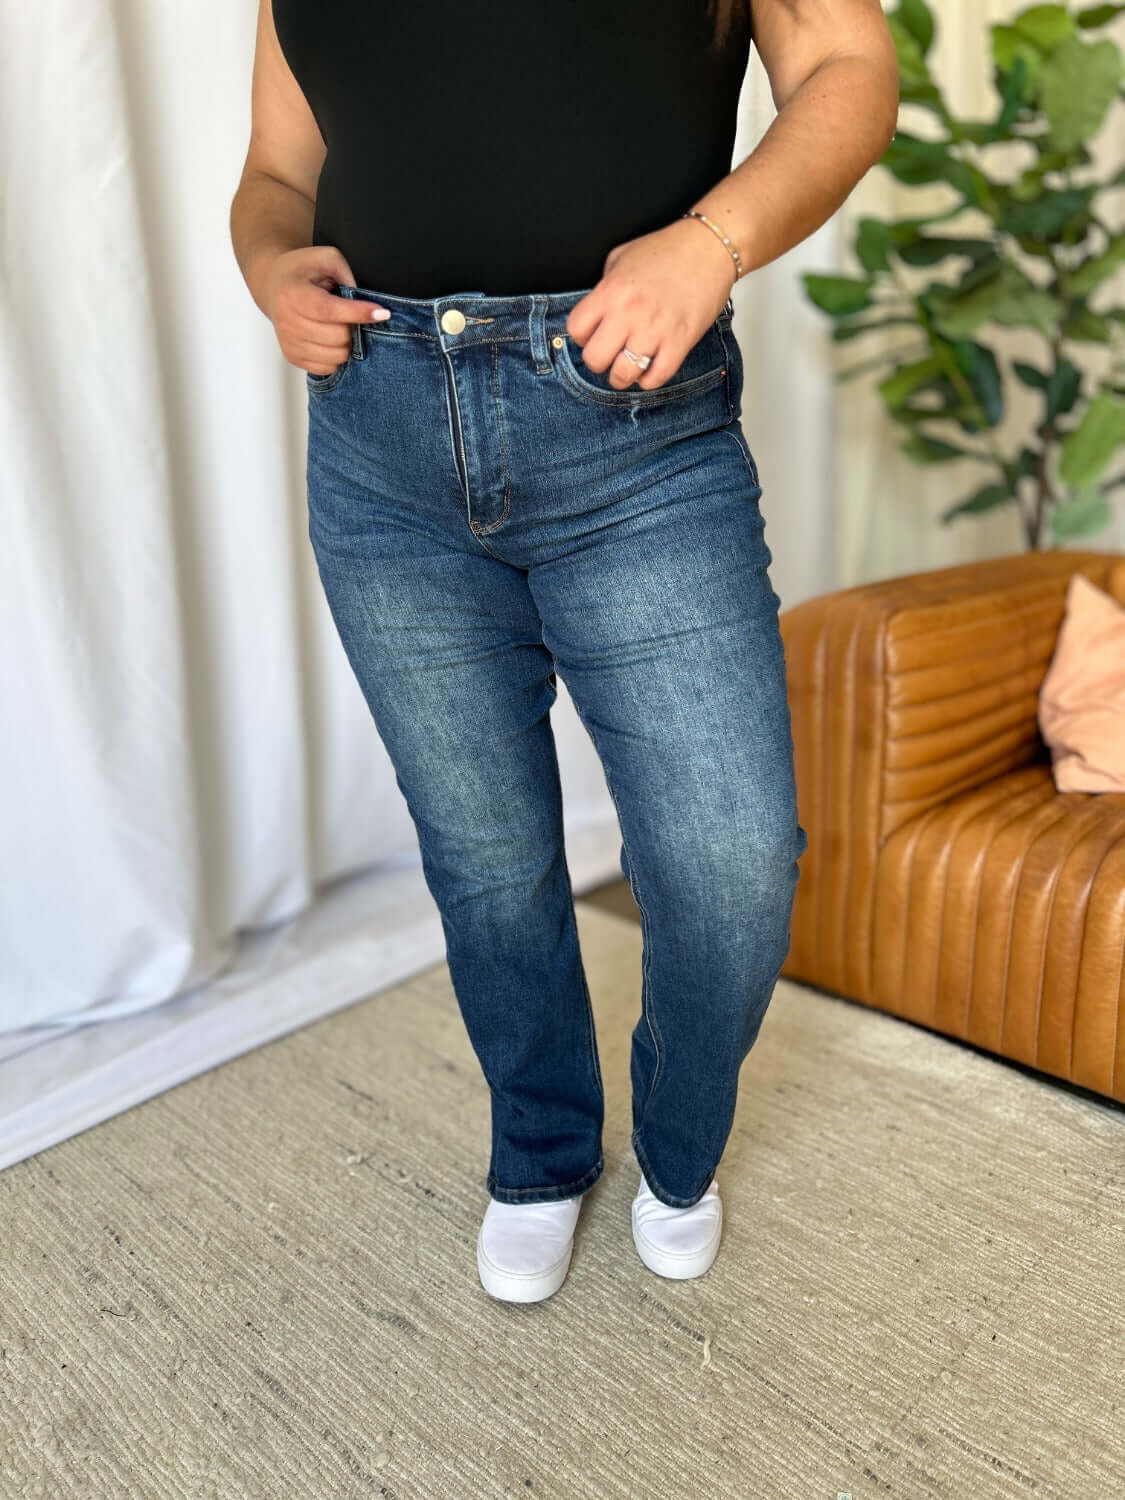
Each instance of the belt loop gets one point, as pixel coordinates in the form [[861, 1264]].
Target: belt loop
[[358, 351], [537, 327]]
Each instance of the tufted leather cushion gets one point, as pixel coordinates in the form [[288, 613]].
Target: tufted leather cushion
[[1000, 918]]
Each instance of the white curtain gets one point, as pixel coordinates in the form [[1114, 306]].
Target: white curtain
[[204, 842], [188, 770]]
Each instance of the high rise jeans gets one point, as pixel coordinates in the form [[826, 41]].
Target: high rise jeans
[[486, 512]]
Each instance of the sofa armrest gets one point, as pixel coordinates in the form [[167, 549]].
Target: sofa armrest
[[904, 693]]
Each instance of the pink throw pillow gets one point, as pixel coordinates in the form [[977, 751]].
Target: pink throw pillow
[[1082, 697]]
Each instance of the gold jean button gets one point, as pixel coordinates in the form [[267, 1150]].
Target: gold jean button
[[558, 341], [453, 320]]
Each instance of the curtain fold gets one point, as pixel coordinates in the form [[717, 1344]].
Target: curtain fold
[[188, 756]]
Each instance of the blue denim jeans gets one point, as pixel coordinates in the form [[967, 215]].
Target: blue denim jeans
[[486, 512]]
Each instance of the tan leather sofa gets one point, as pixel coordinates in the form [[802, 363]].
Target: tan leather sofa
[[946, 880]]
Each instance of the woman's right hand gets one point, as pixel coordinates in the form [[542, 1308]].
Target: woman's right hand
[[312, 324]]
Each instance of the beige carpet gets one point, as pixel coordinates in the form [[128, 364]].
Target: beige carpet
[[263, 1282]]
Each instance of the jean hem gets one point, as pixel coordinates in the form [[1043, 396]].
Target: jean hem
[[657, 1191], [546, 1194]]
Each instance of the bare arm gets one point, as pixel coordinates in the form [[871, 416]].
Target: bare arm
[[833, 73], [271, 218], [272, 210]]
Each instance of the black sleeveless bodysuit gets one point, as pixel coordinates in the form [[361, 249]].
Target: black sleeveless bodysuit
[[506, 146]]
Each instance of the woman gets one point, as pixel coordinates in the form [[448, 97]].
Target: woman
[[500, 239]]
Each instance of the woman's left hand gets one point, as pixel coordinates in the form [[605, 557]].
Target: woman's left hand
[[658, 295]]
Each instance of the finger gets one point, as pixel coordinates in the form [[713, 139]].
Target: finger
[[312, 303], [585, 317], [319, 363], [603, 348], [301, 330], [319, 356], [666, 360], [624, 372]]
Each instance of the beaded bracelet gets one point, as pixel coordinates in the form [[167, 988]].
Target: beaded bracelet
[[693, 213]]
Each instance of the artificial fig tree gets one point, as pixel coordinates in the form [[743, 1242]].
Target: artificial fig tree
[[1031, 248]]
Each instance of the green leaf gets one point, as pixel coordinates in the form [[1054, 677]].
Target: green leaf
[[1007, 297], [1030, 375], [971, 182], [979, 366], [927, 450], [927, 94], [1095, 271], [863, 366], [1077, 85], [1086, 327], [917, 416], [918, 162], [1098, 15], [1047, 214], [845, 331], [1014, 91], [911, 57], [1010, 48], [872, 242], [837, 295], [1048, 158], [1079, 515], [1045, 26], [986, 498], [906, 148], [1034, 247], [929, 250], [907, 379], [980, 132], [906, 231], [1026, 464], [1088, 451], [982, 274], [1031, 309], [918, 19], [1062, 389]]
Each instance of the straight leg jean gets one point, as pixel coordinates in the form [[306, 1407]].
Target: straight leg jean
[[486, 512]]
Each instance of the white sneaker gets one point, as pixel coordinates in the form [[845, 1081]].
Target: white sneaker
[[523, 1249], [677, 1242]]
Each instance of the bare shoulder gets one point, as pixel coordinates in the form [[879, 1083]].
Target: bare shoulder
[[285, 140]]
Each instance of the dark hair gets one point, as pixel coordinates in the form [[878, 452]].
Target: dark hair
[[723, 13]]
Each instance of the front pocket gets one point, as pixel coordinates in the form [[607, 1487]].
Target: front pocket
[[323, 383], [704, 366]]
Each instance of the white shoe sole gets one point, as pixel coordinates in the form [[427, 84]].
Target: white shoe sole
[[677, 1265], [521, 1286]]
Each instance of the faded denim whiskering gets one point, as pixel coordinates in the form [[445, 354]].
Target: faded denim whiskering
[[487, 512]]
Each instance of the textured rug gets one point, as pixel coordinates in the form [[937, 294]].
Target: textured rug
[[263, 1284]]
